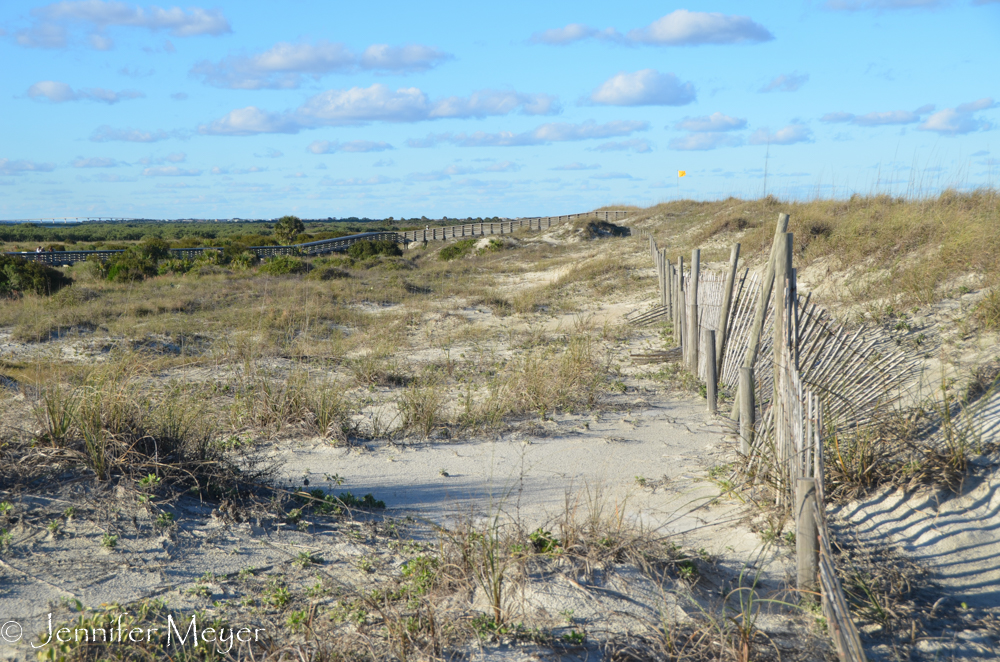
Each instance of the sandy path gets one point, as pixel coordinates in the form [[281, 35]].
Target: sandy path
[[532, 477]]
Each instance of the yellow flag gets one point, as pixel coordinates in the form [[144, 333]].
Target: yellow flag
[[681, 173]]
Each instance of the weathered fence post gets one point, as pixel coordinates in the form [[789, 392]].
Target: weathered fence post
[[712, 378], [748, 409], [806, 536], [782, 269], [727, 301], [663, 277], [692, 321], [765, 295], [680, 329]]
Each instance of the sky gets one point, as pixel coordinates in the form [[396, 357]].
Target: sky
[[256, 109]]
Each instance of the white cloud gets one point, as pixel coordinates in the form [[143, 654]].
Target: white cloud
[[576, 165], [686, 28], [237, 171], [170, 171], [567, 35], [503, 166], [113, 179], [284, 64], [327, 147], [57, 92], [786, 83], [9, 167], [789, 135], [382, 163], [271, 153], [358, 181], [638, 145], [106, 133], [541, 135], [102, 14], [837, 117], [612, 175], [959, 120], [646, 87], [42, 35], [678, 28], [456, 169], [401, 59], [360, 105], [95, 162], [49, 23], [855, 5], [173, 157], [705, 141], [713, 122]]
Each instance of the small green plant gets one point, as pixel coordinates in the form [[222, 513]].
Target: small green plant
[[278, 596], [574, 638], [149, 482], [367, 501], [109, 541], [246, 573], [164, 520], [298, 620], [200, 590], [5, 538], [641, 481], [69, 513], [53, 526], [544, 542], [6, 507], [305, 559]]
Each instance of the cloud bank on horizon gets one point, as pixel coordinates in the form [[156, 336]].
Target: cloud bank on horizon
[[126, 108]]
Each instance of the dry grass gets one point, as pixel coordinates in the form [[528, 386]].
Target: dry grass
[[911, 250]]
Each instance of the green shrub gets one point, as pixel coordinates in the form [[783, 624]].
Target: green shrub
[[363, 250], [244, 260], [210, 256], [175, 266], [456, 250], [18, 276], [495, 246], [154, 248], [327, 273], [283, 265], [132, 265]]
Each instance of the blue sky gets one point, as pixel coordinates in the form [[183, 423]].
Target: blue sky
[[258, 109]]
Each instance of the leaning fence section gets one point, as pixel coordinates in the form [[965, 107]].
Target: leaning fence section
[[794, 373]]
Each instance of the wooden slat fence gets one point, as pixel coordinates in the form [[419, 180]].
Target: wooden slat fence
[[822, 370]]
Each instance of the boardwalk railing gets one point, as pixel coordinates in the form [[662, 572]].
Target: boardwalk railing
[[786, 358], [337, 244]]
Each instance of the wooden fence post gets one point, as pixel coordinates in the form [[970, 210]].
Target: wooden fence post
[[727, 301], [663, 277], [680, 329], [765, 295], [692, 321], [712, 378], [747, 408], [782, 269], [806, 536]]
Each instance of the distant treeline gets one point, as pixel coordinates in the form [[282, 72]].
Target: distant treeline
[[186, 234]]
